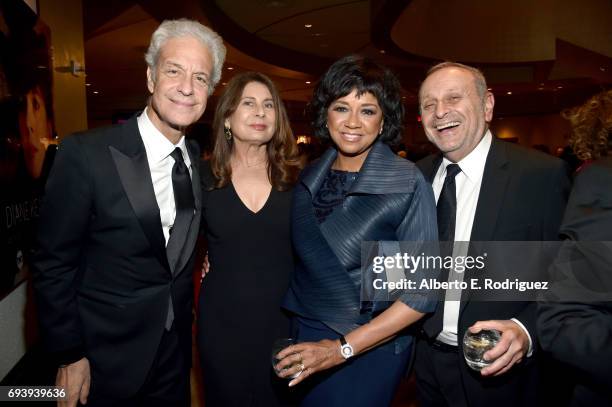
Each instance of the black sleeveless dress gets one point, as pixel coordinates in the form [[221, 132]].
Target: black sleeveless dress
[[239, 314]]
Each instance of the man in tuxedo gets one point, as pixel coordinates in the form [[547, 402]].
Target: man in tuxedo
[[486, 190], [119, 223]]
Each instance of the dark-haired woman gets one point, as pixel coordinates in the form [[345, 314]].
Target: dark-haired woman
[[353, 353], [246, 204]]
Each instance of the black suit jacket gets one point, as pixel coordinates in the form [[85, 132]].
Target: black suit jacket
[[522, 198], [579, 333], [101, 276]]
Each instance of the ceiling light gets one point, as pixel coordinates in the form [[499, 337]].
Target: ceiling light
[[540, 88], [95, 92], [230, 68], [489, 89], [602, 69], [559, 87], [88, 84], [307, 82], [308, 25], [224, 83], [382, 51], [508, 93]]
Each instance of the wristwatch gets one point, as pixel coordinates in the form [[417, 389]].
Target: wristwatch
[[346, 350]]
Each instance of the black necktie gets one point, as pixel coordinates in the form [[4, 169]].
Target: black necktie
[[447, 205], [183, 198], [447, 213]]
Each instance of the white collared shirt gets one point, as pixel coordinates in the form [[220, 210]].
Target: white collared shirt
[[158, 149], [467, 184]]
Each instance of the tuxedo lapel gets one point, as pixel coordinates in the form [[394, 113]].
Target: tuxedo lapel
[[492, 192], [131, 162], [493, 189], [194, 228]]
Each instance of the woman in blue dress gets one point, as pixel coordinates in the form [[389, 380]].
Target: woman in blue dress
[[353, 352]]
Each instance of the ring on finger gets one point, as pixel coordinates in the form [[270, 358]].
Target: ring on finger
[[301, 366]]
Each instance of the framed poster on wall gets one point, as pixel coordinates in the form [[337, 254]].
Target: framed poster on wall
[[27, 134]]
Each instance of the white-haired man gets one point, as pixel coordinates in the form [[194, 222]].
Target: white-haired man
[[117, 233]]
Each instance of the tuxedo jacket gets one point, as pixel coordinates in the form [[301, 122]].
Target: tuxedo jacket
[[101, 276], [579, 334], [522, 198]]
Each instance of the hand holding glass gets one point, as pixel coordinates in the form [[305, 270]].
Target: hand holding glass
[[278, 346], [476, 345]]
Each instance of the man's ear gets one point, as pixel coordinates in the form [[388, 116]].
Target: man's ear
[[489, 103], [150, 81]]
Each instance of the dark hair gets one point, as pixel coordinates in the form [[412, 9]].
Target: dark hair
[[366, 76], [284, 162]]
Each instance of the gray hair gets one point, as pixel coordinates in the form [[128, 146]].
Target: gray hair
[[479, 79], [182, 28]]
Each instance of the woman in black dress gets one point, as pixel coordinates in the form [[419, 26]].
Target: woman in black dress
[[246, 203]]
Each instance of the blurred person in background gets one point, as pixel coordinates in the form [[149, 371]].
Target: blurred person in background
[[579, 334]]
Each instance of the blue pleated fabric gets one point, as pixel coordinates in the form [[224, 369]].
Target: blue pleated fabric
[[389, 201]]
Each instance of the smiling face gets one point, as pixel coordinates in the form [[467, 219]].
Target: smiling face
[[254, 120], [354, 123], [455, 117], [179, 88]]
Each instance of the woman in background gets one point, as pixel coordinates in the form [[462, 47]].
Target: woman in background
[[579, 333], [246, 203], [354, 353]]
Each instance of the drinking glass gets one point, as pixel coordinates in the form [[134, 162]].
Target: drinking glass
[[279, 345], [476, 345]]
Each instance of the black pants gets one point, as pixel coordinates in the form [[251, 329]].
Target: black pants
[[167, 383], [438, 375]]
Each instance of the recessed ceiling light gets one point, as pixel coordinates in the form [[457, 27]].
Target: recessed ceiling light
[[559, 87], [382, 51], [224, 83], [88, 84], [95, 92], [540, 88], [489, 89], [508, 93], [230, 68], [602, 69], [307, 82], [308, 25]]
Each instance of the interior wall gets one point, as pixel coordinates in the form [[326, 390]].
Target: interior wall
[[66, 25]]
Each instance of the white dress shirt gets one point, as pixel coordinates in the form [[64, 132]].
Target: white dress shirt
[[158, 149], [467, 184]]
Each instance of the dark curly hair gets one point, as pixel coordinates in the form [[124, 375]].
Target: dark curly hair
[[591, 127], [366, 76], [284, 161]]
